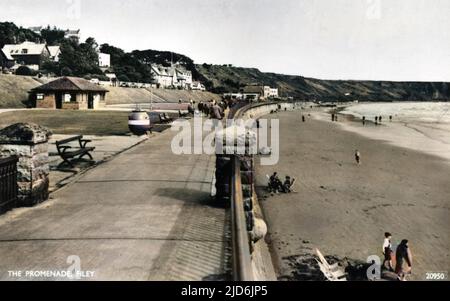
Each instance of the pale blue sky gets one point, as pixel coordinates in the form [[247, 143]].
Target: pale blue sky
[[332, 39]]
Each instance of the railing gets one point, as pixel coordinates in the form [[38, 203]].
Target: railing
[[242, 261], [8, 183]]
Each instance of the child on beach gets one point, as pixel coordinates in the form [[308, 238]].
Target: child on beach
[[387, 251]]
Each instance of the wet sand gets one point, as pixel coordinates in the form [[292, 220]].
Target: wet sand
[[344, 209]]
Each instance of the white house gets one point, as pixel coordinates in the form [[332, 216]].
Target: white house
[[72, 34], [28, 54], [164, 77], [104, 60], [184, 77], [55, 52], [198, 86], [260, 92]]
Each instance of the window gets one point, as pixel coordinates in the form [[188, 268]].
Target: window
[[40, 96], [24, 51]]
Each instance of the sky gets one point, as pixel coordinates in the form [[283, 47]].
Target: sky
[[399, 40]]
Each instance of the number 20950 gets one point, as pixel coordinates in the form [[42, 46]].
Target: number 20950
[[436, 276]]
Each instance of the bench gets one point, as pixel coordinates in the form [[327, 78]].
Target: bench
[[168, 118], [182, 115], [67, 152], [164, 118]]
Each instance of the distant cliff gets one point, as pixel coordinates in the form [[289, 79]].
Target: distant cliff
[[221, 78]]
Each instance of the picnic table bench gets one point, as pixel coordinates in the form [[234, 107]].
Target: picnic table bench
[[67, 152]]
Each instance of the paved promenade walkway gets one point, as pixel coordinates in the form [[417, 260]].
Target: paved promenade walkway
[[145, 215]]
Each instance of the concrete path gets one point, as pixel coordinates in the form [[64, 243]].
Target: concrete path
[[145, 215]]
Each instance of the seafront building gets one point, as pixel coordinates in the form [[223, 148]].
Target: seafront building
[[174, 76], [69, 93], [259, 92]]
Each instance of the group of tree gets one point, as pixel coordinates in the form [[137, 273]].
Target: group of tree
[[81, 59], [12, 34], [127, 66], [76, 59]]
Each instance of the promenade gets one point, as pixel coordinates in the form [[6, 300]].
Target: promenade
[[144, 215]]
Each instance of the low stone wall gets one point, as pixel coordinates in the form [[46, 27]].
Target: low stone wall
[[261, 110]]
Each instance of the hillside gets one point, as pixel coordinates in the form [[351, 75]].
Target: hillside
[[14, 90], [14, 93], [227, 78]]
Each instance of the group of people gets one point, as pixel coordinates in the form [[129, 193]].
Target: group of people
[[213, 109], [277, 186], [378, 119], [399, 259]]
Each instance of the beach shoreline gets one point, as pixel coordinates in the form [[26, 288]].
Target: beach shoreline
[[429, 134], [344, 209]]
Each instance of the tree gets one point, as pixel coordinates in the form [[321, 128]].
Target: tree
[[128, 66], [66, 71], [123, 78], [24, 70], [52, 36], [81, 59], [11, 34]]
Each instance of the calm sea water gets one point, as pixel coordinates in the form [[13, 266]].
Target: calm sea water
[[419, 111]]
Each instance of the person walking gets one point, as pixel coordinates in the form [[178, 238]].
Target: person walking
[[376, 120], [364, 120], [358, 157], [403, 256], [216, 112]]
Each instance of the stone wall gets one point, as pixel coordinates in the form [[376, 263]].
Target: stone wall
[[48, 102], [70, 105], [30, 143]]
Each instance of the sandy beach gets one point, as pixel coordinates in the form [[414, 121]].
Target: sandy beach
[[344, 209]]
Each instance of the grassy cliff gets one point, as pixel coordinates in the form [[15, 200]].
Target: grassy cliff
[[223, 78]]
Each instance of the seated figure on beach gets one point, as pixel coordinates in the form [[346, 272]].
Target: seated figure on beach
[[274, 183], [286, 188]]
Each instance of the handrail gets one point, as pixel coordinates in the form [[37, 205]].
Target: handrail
[[242, 261]]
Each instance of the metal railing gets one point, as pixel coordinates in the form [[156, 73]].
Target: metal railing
[[8, 183]]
